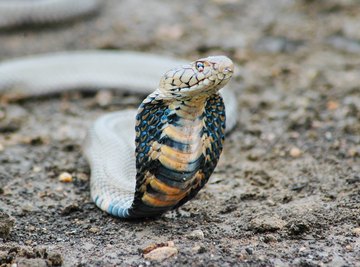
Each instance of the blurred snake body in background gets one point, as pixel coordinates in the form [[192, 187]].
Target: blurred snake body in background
[[143, 162], [15, 13]]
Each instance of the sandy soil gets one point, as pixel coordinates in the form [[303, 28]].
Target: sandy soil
[[287, 189]]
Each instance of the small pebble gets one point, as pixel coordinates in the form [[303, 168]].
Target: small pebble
[[249, 250], [27, 207], [94, 230], [31, 228], [2, 148], [151, 247], [59, 189], [6, 224], [196, 234], [104, 98], [332, 105], [353, 152], [266, 223], [295, 152], [70, 209], [256, 154], [82, 177], [160, 254], [43, 194], [328, 136], [269, 238], [356, 231], [36, 169], [55, 258], [65, 177], [198, 249]]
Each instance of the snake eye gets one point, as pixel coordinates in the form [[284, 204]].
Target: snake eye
[[200, 66]]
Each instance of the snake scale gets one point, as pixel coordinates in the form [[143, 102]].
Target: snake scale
[[143, 162]]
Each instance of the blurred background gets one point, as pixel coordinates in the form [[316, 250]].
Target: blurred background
[[287, 189]]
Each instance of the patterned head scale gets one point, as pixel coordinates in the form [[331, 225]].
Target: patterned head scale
[[203, 76]]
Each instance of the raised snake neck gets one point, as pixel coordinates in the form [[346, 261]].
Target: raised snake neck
[[110, 146]]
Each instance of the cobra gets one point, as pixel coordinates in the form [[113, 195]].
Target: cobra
[[145, 162]]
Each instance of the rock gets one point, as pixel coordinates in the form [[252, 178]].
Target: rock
[[332, 105], [104, 98], [27, 207], [300, 119], [94, 230], [198, 249], [70, 209], [297, 227], [249, 250], [36, 169], [55, 259], [82, 177], [295, 152], [256, 154], [31, 257], [196, 235], [354, 152], [298, 186], [356, 231], [151, 247], [266, 223], [6, 224], [160, 254], [65, 177], [269, 238]]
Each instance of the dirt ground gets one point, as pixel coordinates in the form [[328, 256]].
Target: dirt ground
[[287, 189]]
